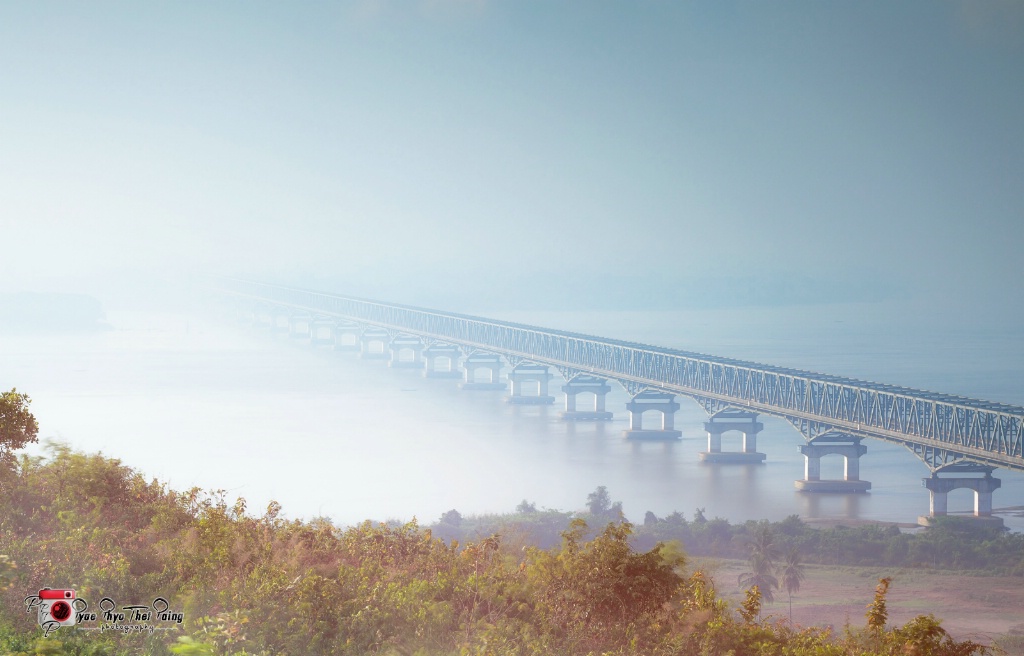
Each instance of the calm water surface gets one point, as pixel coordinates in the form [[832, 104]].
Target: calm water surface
[[193, 401]]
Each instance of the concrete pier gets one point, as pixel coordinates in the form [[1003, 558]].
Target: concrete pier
[[280, 322], [368, 339], [450, 354], [833, 443], [983, 486], [263, 317], [487, 361], [321, 332], [245, 314], [406, 343], [346, 337], [732, 419], [585, 384], [529, 372], [300, 325], [663, 402]]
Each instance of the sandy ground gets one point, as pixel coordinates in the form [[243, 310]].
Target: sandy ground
[[979, 608]]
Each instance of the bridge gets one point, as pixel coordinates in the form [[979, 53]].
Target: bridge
[[961, 440]]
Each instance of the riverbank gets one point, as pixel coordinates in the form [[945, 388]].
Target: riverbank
[[970, 606]]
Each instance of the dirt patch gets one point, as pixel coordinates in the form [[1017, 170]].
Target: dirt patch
[[979, 608]]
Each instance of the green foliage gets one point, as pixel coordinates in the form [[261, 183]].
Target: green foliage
[[878, 614], [261, 585], [186, 646], [599, 502], [792, 575], [953, 545], [751, 608], [924, 636], [763, 553], [590, 592], [525, 507], [452, 518], [18, 427]]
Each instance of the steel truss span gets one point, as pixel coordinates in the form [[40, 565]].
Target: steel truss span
[[941, 429]]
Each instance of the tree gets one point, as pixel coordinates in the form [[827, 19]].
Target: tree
[[452, 518], [525, 507], [17, 425], [592, 593], [762, 544], [599, 502], [877, 613], [792, 575], [763, 554], [761, 577]]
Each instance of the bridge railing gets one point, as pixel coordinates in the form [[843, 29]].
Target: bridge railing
[[987, 432]]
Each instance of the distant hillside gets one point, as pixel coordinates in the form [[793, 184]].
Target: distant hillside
[[27, 311]]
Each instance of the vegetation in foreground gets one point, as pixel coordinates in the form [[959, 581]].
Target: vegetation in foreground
[[954, 544], [266, 585]]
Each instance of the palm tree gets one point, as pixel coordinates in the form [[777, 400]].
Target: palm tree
[[763, 553], [762, 576], [762, 543], [792, 575]]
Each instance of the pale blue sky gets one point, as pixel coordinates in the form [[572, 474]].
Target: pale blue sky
[[436, 151]]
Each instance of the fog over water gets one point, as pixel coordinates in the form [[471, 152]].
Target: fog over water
[[194, 401], [828, 186]]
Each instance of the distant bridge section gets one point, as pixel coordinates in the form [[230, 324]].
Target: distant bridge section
[[947, 432]]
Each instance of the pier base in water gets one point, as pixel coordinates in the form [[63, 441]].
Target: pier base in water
[[530, 400], [961, 520], [662, 402], [586, 415], [833, 486], [833, 443], [586, 384], [488, 361], [732, 457], [652, 435], [443, 374], [527, 372]]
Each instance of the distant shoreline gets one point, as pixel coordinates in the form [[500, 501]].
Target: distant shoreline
[[971, 605], [832, 522], [50, 313]]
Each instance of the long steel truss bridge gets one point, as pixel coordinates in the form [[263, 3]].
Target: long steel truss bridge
[[949, 433]]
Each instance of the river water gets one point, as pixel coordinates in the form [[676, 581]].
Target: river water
[[195, 401]]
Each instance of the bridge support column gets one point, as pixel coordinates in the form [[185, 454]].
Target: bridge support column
[[433, 353], [939, 489], [833, 444], [370, 337], [280, 323], [731, 419], [300, 326], [596, 386], [346, 337], [404, 343], [263, 317], [244, 313], [317, 328], [482, 361], [527, 372], [664, 403]]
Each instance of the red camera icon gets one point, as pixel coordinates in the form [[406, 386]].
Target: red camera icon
[[57, 606]]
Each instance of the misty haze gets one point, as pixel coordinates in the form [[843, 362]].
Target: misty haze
[[799, 190]]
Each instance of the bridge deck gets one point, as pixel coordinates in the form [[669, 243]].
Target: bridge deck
[[942, 429]]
